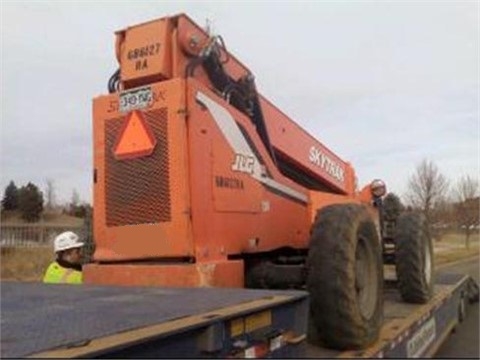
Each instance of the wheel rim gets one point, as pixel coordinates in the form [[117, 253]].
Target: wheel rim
[[365, 279], [428, 263]]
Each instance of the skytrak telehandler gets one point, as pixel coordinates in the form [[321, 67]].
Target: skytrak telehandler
[[199, 180]]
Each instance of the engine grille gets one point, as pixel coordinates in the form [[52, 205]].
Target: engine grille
[[137, 190]]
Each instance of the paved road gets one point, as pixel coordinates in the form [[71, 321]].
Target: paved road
[[464, 343]]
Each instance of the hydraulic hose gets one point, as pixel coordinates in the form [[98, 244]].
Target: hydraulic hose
[[114, 82]]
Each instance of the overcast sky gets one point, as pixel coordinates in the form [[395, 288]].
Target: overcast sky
[[382, 84]]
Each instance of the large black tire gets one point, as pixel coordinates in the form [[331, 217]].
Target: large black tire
[[414, 258], [345, 277]]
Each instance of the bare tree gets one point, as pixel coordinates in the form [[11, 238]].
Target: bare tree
[[467, 205], [444, 213], [75, 200], [50, 195], [427, 189]]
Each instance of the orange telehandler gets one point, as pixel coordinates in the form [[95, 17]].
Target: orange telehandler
[[201, 181]]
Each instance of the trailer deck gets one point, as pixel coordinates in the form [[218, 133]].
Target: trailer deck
[[95, 321]]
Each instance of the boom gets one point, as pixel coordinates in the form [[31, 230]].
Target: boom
[[146, 57]]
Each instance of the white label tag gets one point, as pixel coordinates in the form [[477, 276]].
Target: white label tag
[[135, 99], [421, 340]]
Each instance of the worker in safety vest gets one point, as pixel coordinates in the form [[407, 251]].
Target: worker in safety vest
[[67, 268]]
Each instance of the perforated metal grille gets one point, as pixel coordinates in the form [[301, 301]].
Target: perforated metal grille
[[137, 190]]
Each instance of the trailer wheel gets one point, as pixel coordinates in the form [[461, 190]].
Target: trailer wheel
[[414, 258], [345, 277]]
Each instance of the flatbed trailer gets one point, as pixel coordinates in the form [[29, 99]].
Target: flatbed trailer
[[121, 322]]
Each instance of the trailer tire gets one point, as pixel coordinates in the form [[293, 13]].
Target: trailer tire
[[414, 258], [345, 277]]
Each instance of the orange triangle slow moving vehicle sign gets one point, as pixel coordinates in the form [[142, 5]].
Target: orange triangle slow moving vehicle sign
[[135, 139]]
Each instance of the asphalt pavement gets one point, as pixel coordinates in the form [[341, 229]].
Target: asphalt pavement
[[464, 342]]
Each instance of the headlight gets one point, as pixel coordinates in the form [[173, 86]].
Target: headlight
[[378, 188]]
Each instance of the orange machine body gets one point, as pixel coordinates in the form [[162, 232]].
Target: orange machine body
[[184, 187]]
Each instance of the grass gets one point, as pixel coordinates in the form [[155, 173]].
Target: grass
[[451, 247], [458, 239], [47, 218], [25, 264]]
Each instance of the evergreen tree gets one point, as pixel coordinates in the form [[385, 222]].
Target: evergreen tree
[[10, 198], [30, 202]]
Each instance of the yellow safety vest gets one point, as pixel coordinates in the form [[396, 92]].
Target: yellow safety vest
[[57, 274]]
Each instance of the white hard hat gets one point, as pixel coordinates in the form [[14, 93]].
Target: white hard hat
[[66, 240]]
